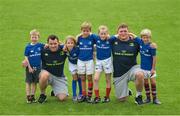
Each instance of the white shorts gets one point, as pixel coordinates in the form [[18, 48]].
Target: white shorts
[[73, 68], [85, 67], [121, 83], [147, 74], [104, 65]]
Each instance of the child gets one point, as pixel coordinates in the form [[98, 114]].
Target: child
[[148, 64], [103, 63], [73, 52], [33, 58], [85, 62]]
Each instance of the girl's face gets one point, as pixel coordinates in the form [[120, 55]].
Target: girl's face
[[103, 34], [34, 38], [85, 32], [145, 38], [70, 44]]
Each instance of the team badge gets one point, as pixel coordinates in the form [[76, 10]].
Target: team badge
[[46, 54], [31, 51], [131, 44], [90, 43], [80, 43], [116, 43]]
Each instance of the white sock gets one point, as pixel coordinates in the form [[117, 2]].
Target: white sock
[[138, 93]]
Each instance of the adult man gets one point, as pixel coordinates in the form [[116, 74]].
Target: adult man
[[125, 51], [53, 59]]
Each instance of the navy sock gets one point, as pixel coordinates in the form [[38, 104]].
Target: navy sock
[[74, 87], [80, 86]]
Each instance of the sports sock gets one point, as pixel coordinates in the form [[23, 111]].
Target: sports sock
[[74, 87]]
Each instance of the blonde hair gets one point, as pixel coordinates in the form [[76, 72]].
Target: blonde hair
[[103, 27], [72, 38], [35, 32], [146, 32], [86, 25]]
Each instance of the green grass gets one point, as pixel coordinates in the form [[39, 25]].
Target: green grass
[[63, 17]]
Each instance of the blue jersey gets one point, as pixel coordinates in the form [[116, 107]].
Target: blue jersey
[[103, 48], [73, 55], [147, 53], [86, 46], [33, 52]]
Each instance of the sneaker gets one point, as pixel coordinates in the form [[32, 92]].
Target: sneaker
[[138, 100], [42, 98], [33, 100], [88, 99], [97, 100], [82, 99], [29, 100], [52, 93], [106, 100], [156, 101], [147, 100], [130, 92], [74, 98]]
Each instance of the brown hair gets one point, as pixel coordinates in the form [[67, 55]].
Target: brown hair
[[122, 25], [52, 37], [72, 38]]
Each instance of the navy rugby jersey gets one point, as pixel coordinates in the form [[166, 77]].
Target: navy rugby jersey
[[124, 55], [53, 62]]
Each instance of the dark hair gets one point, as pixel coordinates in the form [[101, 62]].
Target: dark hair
[[52, 37], [123, 25]]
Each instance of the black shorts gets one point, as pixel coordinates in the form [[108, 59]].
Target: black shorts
[[32, 77]]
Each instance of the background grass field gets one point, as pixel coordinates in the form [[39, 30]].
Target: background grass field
[[63, 17]]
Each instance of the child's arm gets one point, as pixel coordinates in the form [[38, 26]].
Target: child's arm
[[132, 35], [153, 65], [28, 64]]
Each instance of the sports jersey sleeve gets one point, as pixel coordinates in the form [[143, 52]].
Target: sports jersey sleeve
[[112, 39], [153, 51], [137, 40], [94, 36], [26, 52]]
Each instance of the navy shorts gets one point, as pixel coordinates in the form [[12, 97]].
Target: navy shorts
[[32, 77]]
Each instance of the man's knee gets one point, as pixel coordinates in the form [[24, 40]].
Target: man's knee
[[123, 99], [44, 75], [62, 97]]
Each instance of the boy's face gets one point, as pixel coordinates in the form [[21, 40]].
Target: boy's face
[[85, 32], [53, 45], [123, 33], [34, 38], [145, 38], [70, 44], [103, 34]]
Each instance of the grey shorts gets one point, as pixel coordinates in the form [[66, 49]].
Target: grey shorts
[[121, 83], [59, 84], [32, 77]]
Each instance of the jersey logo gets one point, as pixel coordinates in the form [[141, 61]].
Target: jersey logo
[[85, 46], [102, 45], [90, 43], [74, 54], [46, 54], [131, 44], [107, 42], [123, 51], [98, 41], [55, 61], [80, 43], [116, 43], [31, 51], [39, 48]]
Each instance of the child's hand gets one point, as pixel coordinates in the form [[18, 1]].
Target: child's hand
[[30, 70], [46, 46], [132, 35], [65, 49], [153, 45], [24, 63], [152, 72]]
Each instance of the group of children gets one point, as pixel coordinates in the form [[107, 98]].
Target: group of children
[[80, 52]]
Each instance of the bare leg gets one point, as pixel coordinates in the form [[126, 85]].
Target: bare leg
[[43, 80]]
